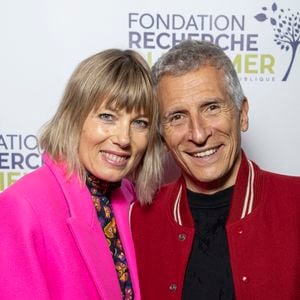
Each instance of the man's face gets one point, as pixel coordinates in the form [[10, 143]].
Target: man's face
[[201, 127]]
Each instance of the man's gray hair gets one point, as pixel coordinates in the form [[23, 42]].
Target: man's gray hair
[[190, 55]]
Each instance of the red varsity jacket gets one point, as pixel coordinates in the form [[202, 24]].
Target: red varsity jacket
[[263, 231]]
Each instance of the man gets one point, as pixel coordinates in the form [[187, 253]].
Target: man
[[225, 229]]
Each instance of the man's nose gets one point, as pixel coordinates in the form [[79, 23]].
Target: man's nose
[[199, 129]]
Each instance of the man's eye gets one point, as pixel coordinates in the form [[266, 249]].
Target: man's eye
[[176, 119], [141, 123], [106, 117], [213, 108]]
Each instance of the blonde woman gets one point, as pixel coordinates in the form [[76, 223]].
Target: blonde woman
[[64, 229]]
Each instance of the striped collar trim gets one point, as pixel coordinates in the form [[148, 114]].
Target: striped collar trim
[[249, 197], [176, 210], [248, 201], [130, 212]]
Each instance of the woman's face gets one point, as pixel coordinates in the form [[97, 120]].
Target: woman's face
[[113, 142]]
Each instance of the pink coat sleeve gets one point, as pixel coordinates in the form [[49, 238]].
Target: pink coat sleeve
[[22, 251]]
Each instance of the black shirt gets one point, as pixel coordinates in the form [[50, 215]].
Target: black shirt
[[208, 275]]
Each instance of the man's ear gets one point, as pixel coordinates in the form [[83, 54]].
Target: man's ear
[[244, 120]]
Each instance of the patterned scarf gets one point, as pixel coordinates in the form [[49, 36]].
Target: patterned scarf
[[100, 191]]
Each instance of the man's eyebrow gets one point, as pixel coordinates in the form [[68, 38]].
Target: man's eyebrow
[[174, 111]]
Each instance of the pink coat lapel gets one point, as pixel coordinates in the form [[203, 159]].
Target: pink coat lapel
[[88, 235]]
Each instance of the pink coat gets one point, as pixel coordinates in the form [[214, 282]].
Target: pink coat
[[51, 242]]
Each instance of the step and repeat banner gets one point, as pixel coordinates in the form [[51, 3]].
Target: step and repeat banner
[[43, 41]]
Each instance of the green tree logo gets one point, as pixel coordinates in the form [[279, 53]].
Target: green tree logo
[[286, 27]]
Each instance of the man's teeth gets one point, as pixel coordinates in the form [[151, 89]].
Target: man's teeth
[[205, 153], [113, 157]]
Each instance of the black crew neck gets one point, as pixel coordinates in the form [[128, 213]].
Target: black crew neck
[[218, 199]]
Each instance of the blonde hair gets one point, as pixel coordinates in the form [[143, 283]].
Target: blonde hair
[[121, 79]]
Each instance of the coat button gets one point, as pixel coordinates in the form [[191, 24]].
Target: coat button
[[182, 237], [245, 279], [173, 287], [240, 230]]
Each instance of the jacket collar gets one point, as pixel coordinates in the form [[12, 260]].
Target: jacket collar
[[87, 232], [122, 199], [243, 201]]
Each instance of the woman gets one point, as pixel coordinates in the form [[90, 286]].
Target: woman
[[64, 229]]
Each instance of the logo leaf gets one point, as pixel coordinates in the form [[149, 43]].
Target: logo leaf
[[274, 7], [273, 21], [260, 17]]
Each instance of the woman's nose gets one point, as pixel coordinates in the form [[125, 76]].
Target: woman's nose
[[122, 135]]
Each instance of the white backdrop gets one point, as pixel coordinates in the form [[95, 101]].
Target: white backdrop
[[43, 41]]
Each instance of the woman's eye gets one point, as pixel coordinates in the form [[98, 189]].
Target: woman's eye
[[106, 117], [141, 123]]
